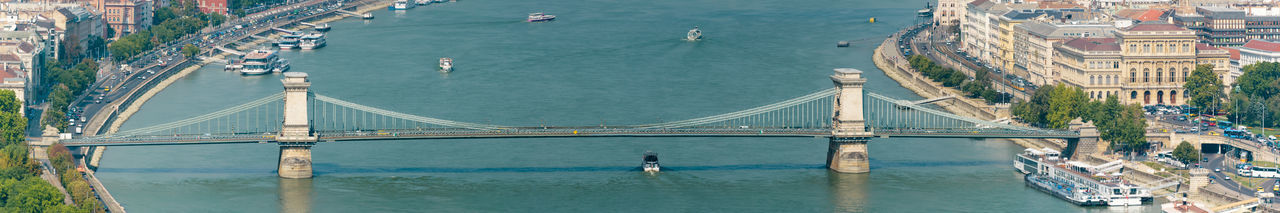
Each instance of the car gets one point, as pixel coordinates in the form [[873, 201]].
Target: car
[[1226, 177], [1204, 160], [1217, 169]]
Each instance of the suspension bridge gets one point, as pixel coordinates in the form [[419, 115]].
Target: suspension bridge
[[298, 119]]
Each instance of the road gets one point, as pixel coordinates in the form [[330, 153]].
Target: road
[[1219, 177], [122, 80]]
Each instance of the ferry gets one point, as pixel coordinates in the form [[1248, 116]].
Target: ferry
[[694, 34], [401, 5], [650, 164], [1047, 171], [312, 41], [446, 65], [539, 17], [261, 62], [289, 41], [424, 2]]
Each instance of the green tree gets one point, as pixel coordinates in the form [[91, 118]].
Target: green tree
[[1203, 86], [190, 50], [1186, 152], [1065, 104]]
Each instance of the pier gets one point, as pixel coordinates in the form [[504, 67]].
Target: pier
[[284, 30], [229, 50], [364, 15]]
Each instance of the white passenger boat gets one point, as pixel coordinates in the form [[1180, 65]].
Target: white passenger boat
[[260, 62], [322, 27], [312, 41], [540, 17], [1071, 180], [694, 34], [402, 5], [423, 2], [446, 65], [289, 41], [650, 164]]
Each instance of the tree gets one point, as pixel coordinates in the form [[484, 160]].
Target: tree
[[1186, 153], [190, 50], [1065, 104], [1203, 86]]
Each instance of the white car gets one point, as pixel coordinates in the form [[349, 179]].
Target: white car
[[1217, 169]]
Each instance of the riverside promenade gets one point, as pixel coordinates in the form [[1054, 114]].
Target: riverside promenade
[[889, 59]]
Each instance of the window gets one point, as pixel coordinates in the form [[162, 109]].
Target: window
[[1184, 74], [1171, 76], [1091, 80], [1160, 48], [1146, 48], [1146, 75], [1158, 75], [1133, 75], [1133, 95]]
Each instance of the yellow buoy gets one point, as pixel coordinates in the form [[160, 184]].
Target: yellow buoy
[[575, 132], [873, 20]]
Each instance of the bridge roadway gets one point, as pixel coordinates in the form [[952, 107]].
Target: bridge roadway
[[548, 132]]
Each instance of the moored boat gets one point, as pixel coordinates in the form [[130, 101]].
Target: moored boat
[[401, 5], [446, 65], [423, 2], [1078, 182], [312, 41], [289, 41], [259, 62], [322, 27], [540, 17]]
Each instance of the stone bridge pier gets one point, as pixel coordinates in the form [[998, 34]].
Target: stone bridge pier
[[847, 150], [295, 137]]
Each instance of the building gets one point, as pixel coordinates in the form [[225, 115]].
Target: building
[[220, 6], [1220, 27], [125, 16], [1034, 41], [12, 78], [975, 28], [1225, 27], [948, 12], [78, 26], [1144, 64], [1003, 40]]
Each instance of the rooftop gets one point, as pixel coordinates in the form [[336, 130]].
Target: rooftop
[[1155, 26], [1093, 44], [1261, 45]]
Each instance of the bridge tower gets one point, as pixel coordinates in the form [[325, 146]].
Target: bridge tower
[[295, 137], [847, 150]]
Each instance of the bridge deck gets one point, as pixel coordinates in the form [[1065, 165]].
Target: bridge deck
[[264, 137]]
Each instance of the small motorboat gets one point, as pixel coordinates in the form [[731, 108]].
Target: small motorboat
[[540, 17], [650, 164], [322, 27], [694, 34], [446, 65], [366, 16]]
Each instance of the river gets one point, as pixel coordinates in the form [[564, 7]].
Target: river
[[602, 62]]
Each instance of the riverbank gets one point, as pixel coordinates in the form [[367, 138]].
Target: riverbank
[[896, 68]]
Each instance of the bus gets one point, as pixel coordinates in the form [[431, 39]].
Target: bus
[[1264, 172], [1233, 133]]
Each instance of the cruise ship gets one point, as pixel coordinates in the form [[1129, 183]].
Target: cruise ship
[[312, 41], [289, 41], [402, 5], [261, 62], [1047, 171]]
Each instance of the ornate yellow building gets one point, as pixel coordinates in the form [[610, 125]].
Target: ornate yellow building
[[1144, 64]]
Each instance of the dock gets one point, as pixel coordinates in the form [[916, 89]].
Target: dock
[[284, 30], [229, 50], [364, 15]]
